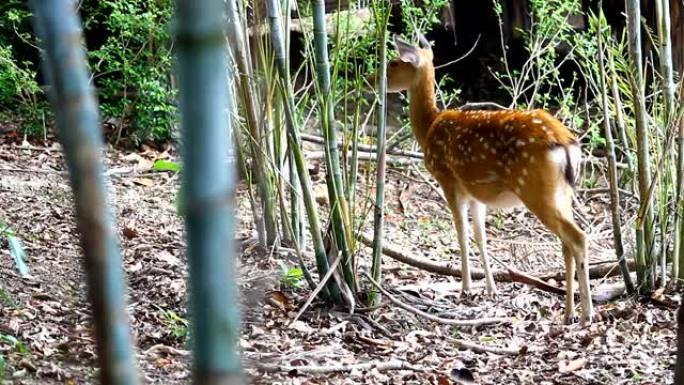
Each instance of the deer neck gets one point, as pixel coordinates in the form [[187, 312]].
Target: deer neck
[[422, 104]]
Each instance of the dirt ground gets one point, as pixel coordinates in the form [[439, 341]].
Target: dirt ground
[[48, 313]]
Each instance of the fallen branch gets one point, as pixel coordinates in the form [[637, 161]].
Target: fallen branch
[[597, 271], [601, 270], [463, 344], [518, 276], [368, 157], [445, 321], [606, 293], [365, 147], [314, 369]]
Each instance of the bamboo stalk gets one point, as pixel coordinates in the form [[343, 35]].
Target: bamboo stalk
[[612, 168], [381, 13], [73, 101], [664, 38], [338, 205], [664, 35], [645, 226], [619, 114], [248, 93], [209, 190], [295, 147]]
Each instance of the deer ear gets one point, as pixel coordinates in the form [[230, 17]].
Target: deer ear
[[407, 52], [424, 43]]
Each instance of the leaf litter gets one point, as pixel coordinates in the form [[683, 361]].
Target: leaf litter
[[45, 318]]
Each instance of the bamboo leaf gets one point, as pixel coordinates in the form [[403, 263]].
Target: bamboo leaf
[[17, 252]]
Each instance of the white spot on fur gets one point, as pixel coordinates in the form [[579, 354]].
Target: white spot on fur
[[537, 121]]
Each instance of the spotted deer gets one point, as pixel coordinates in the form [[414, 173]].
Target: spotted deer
[[499, 159]]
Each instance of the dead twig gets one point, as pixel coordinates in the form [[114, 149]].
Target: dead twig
[[367, 157], [445, 321], [477, 348], [518, 276], [315, 369], [167, 350]]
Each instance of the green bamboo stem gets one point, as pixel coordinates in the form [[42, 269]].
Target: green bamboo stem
[[619, 114], [338, 205], [256, 144], [209, 189], [295, 146], [645, 221], [664, 34], [73, 101], [612, 167], [381, 13]]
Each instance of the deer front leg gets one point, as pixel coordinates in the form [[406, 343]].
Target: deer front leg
[[478, 211], [459, 212]]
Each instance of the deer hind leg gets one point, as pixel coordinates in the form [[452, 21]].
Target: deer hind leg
[[569, 285], [553, 206], [478, 211], [459, 213]]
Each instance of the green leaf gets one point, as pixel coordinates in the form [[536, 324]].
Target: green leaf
[[166, 165], [17, 252]]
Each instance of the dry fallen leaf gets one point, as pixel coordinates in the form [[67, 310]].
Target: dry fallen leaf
[[280, 300], [565, 366], [147, 182], [132, 157], [462, 376], [167, 257], [129, 232]]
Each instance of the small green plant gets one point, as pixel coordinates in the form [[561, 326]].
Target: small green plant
[[498, 220], [291, 276], [177, 325]]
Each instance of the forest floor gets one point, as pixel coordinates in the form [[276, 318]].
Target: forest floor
[[45, 332]]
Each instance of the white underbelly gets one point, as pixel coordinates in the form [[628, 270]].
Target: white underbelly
[[504, 200]]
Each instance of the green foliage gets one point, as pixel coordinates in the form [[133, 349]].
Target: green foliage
[[423, 17], [129, 54], [133, 63], [537, 82], [21, 97]]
